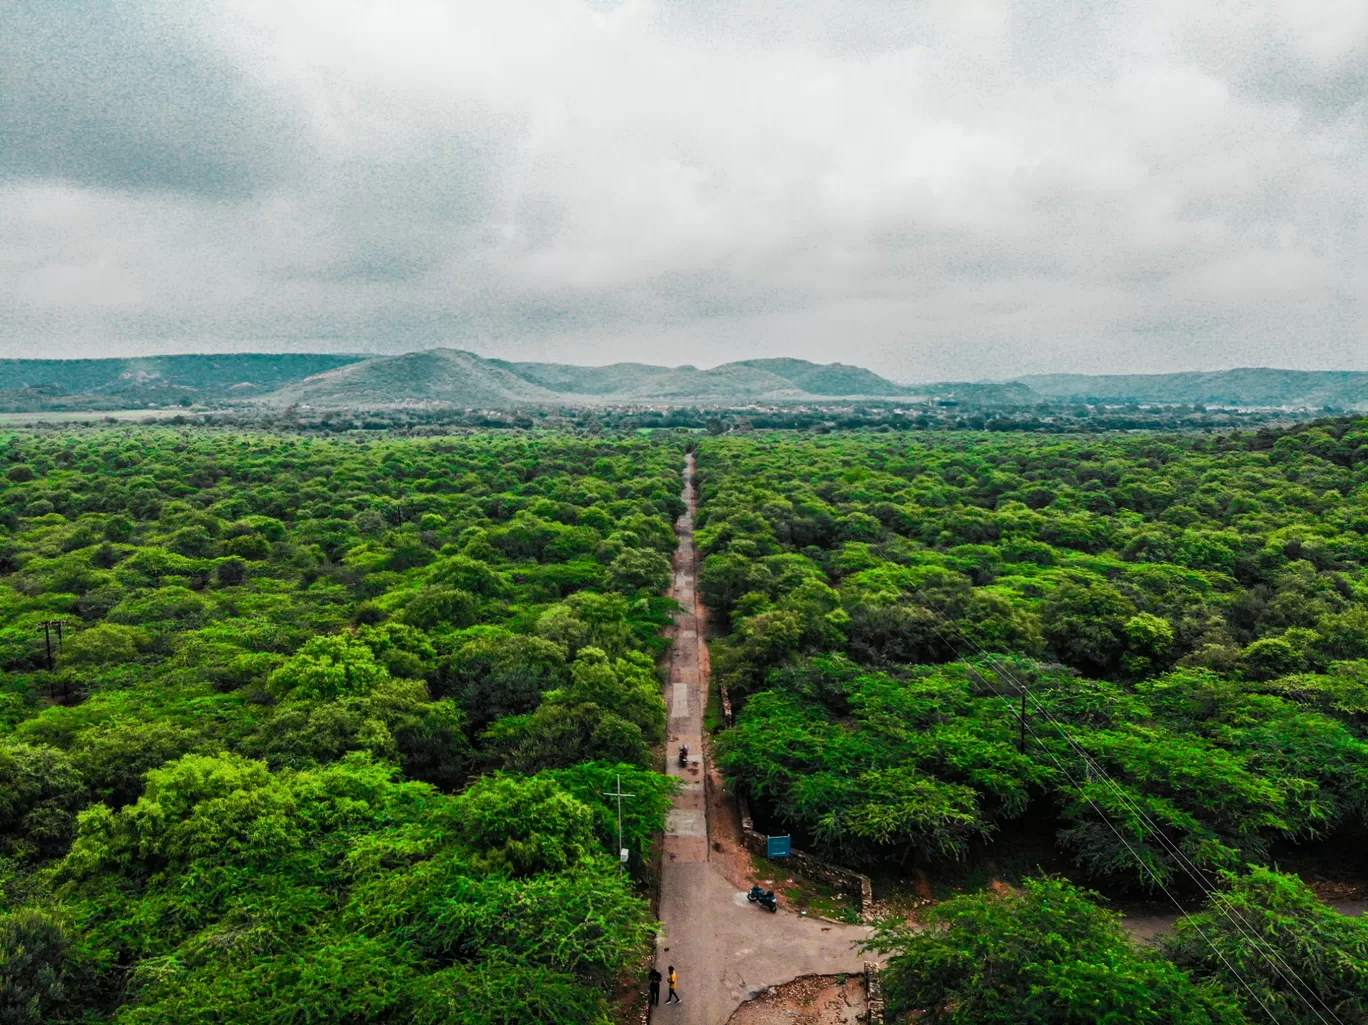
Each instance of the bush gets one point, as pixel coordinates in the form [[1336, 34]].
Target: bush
[[102, 645], [1263, 930], [1046, 955]]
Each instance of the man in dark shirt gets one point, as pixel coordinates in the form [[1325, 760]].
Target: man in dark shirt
[[655, 987]]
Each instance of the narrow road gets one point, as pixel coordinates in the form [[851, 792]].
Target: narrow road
[[723, 949]]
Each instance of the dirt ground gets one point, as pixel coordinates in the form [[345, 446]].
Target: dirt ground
[[811, 1000]]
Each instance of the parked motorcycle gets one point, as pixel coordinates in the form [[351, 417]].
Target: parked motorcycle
[[765, 898]]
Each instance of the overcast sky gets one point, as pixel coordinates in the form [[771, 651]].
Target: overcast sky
[[942, 189]]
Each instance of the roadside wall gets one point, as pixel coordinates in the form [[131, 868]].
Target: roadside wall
[[855, 885], [873, 994]]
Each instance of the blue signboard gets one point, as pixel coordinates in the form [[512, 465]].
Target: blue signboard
[[779, 846]]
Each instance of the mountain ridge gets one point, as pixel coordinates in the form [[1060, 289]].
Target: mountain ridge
[[456, 377], [108, 383], [450, 377], [1239, 386]]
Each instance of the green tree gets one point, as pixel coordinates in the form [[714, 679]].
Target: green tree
[[41, 971], [503, 674], [526, 826], [640, 569], [437, 607], [1272, 943], [628, 687], [643, 815], [41, 790], [1046, 955], [329, 667], [1149, 639], [1086, 625], [1271, 657], [105, 644]]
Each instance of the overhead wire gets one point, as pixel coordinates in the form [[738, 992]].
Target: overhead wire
[[1270, 954]]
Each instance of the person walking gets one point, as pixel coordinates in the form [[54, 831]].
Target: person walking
[[674, 980], [655, 988]]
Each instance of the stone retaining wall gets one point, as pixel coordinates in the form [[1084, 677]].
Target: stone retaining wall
[[874, 1001], [855, 885]]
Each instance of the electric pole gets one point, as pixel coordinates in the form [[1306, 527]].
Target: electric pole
[[622, 852], [51, 626]]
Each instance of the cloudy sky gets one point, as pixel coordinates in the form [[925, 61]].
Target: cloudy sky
[[935, 189]]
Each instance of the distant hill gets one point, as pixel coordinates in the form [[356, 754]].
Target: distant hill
[[1251, 386], [163, 380], [447, 376], [458, 378], [745, 380], [825, 378], [569, 379]]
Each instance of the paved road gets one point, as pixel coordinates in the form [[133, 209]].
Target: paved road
[[723, 949]]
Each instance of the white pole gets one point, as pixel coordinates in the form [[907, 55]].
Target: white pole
[[622, 862]]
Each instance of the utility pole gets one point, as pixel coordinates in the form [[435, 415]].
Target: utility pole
[[66, 684], [51, 626], [622, 852]]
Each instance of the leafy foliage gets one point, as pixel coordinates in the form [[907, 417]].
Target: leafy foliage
[[1047, 954], [1186, 612], [287, 765], [1269, 941]]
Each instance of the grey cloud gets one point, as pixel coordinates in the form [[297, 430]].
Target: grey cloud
[[132, 95], [937, 189]]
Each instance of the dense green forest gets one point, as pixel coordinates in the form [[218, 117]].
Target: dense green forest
[[1188, 618], [326, 730], [316, 724]]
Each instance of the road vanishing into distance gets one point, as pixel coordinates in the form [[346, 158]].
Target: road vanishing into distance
[[723, 949]]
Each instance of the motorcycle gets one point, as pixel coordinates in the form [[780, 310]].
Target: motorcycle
[[683, 757], [765, 898]]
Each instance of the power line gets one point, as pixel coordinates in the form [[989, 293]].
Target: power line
[[1269, 954], [1197, 875]]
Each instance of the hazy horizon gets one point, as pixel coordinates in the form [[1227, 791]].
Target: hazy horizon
[[910, 381], [960, 191]]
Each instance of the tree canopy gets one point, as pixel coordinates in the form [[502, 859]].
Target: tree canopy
[[329, 724]]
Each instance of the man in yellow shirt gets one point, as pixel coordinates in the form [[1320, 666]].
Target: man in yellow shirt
[[673, 980]]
